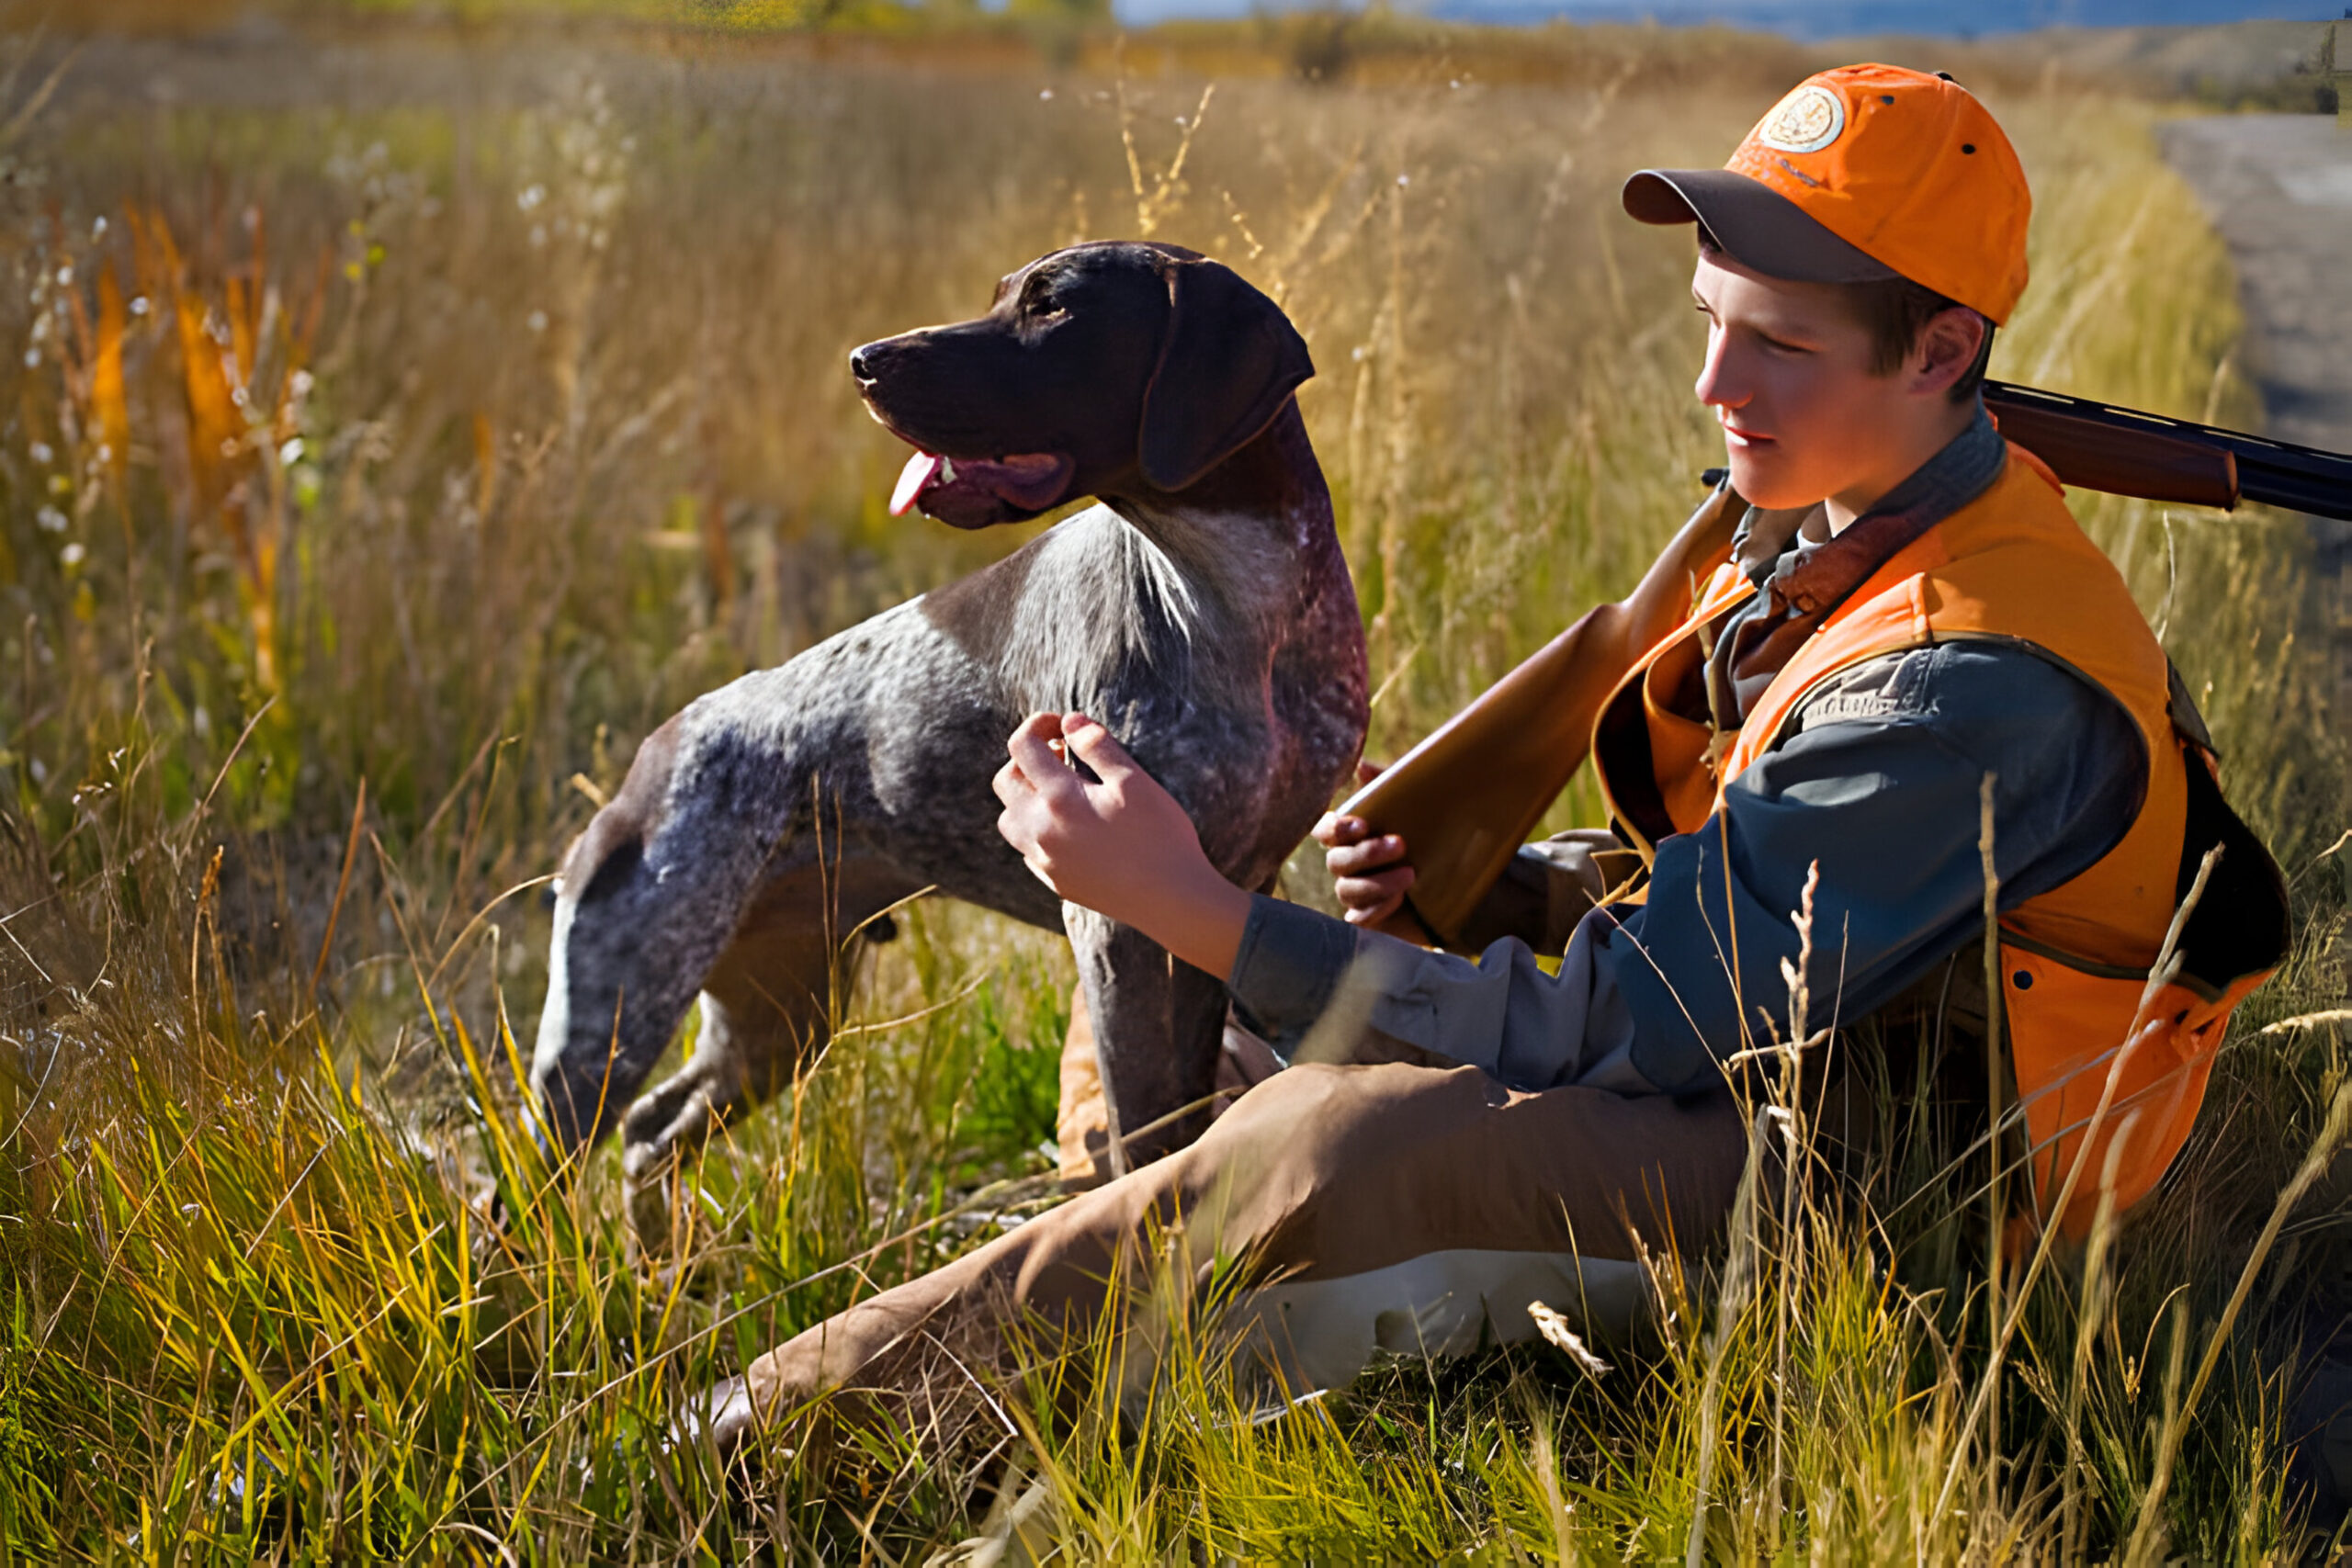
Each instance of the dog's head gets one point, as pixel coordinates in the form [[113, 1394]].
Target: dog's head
[[1109, 368]]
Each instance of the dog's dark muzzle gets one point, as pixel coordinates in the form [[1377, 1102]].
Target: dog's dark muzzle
[[963, 475]]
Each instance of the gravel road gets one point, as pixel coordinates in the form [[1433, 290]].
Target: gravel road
[[2279, 187]]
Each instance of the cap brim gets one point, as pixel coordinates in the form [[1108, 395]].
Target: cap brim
[[1756, 225]]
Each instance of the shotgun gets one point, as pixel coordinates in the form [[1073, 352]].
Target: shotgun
[[2092, 445], [1467, 796]]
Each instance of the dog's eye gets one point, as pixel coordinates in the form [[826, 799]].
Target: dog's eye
[[1041, 302]]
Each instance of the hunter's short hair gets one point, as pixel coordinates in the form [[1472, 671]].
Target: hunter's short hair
[[1893, 311]]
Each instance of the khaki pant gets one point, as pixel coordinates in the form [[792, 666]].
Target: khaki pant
[[1369, 1208]]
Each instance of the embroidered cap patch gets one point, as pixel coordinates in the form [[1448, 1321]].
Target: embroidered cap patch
[[1806, 121]]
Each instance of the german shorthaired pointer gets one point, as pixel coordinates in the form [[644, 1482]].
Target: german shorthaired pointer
[[1203, 612]]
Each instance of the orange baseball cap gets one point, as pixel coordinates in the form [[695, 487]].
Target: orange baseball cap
[[1864, 172]]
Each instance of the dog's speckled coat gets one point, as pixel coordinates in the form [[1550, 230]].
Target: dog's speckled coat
[[1203, 612]]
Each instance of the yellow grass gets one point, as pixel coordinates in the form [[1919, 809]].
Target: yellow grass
[[442, 447]]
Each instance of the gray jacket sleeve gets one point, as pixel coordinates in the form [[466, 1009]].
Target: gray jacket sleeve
[[1544, 891], [1878, 783]]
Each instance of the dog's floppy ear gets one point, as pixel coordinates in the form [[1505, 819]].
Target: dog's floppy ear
[[1230, 360]]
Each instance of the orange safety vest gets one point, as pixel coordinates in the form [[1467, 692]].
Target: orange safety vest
[[2083, 1020]]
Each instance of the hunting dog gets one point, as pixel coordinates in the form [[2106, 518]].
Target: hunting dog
[[1203, 612]]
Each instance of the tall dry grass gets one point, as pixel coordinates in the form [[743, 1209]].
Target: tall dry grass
[[398, 431]]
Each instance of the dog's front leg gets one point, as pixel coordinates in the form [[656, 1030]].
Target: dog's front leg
[[1158, 1025]]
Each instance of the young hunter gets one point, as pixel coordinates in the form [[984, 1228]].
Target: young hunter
[[1906, 611]]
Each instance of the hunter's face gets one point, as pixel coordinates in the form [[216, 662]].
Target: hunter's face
[[1788, 375]]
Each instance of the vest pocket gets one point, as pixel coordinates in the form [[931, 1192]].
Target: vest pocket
[[2072, 1034]]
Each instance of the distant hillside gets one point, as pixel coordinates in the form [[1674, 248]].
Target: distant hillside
[[1819, 19], [2183, 48], [2230, 63], [2254, 64], [2234, 57]]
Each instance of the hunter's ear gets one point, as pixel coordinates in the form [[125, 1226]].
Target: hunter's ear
[[1229, 361]]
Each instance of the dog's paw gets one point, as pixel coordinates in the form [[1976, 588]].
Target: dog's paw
[[664, 1125], [658, 1134]]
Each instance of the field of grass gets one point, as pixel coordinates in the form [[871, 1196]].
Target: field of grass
[[395, 430]]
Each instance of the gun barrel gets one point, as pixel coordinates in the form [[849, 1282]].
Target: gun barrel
[[2097, 446]]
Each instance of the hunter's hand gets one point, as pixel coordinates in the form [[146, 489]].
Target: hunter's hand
[[1368, 870], [1121, 847]]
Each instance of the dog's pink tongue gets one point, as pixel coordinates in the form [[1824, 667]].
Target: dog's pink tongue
[[912, 479]]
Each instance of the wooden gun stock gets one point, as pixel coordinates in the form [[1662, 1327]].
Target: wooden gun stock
[[1468, 795]]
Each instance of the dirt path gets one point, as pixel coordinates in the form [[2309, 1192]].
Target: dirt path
[[2280, 188]]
